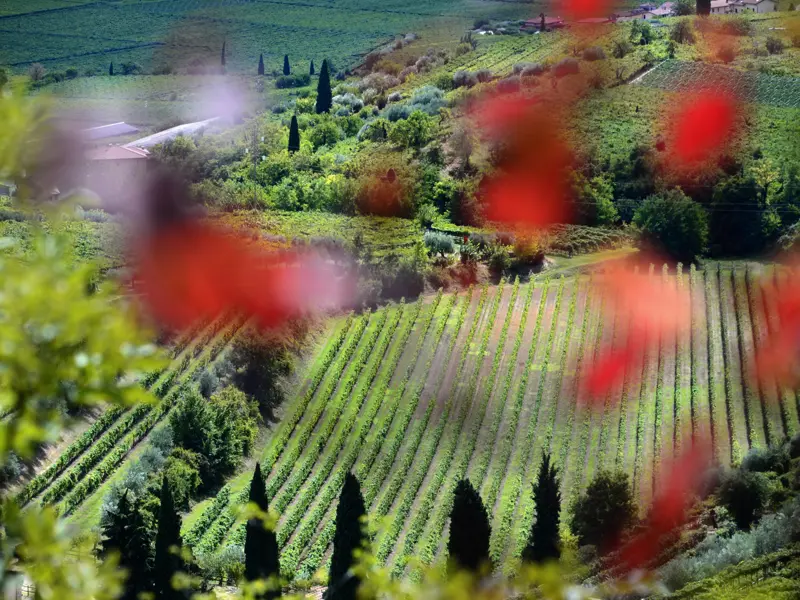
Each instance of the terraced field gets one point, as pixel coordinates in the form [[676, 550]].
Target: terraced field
[[415, 396], [75, 483]]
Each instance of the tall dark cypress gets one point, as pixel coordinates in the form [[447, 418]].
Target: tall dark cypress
[[261, 64], [311, 69], [348, 537], [703, 7], [543, 541], [261, 558], [470, 531], [324, 95], [126, 533], [111, 68], [286, 69], [294, 135], [222, 55], [168, 543]]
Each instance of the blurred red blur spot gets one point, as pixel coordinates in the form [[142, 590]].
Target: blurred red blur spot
[[677, 491], [650, 306], [531, 186], [583, 9], [778, 360], [193, 271], [607, 374], [702, 126]]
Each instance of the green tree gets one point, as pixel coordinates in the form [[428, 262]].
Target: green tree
[[311, 68], [324, 94], [325, 133], [261, 557], [348, 537], [674, 222], [222, 55], [604, 511], [182, 470], [684, 8], [543, 542], [703, 7], [413, 132], [125, 533], [191, 422], [261, 64], [744, 494], [111, 68], [595, 200], [168, 560], [468, 545], [294, 135], [286, 69]]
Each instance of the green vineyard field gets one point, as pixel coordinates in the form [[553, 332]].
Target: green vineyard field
[[413, 397]]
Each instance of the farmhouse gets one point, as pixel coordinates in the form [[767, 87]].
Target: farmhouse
[[115, 171], [727, 7]]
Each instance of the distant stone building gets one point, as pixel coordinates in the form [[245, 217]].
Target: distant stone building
[[728, 7]]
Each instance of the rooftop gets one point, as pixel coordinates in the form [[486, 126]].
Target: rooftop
[[116, 153], [110, 130]]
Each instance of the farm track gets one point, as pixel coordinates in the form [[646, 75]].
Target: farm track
[[414, 397]]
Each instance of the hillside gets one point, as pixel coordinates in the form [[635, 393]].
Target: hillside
[[414, 396]]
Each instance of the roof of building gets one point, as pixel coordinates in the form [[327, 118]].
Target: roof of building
[[661, 11], [593, 20], [719, 3], [116, 153], [110, 130]]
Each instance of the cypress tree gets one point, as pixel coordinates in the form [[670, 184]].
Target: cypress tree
[[261, 558], [126, 533], [543, 542], [294, 135], [261, 64], [470, 531], [324, 95], [168, 543], [286, 69], [311, 69], [111, 68], [703, 7], [222, 56], [348, 537]]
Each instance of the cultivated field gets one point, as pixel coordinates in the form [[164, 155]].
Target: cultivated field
[[76, 482], [92, 34], [415, 396]]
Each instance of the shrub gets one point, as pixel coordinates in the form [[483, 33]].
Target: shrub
[[483, 75], [394, 97], [292, 81], [427, 215], [726, 54], [387, 66], [794, 446], [376, 130], [566, 66], [130, 68], [499, 259], [439, 243], [509, 85], [766, 460], [621, 48], [380, 82], [71, 73], [410, 70], [604, 511], [533, 70], [774, 45], [594, 53], [468, 253], [682, 33], [675, 222], [463, 78], [36, 72], [744, 495]]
